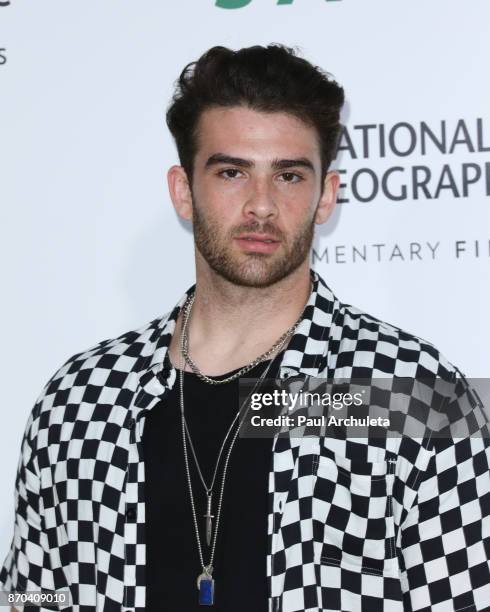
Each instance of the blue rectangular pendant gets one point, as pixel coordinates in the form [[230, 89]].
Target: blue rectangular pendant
[[206, 592]]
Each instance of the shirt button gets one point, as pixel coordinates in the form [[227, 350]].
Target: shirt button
[[131, 514]]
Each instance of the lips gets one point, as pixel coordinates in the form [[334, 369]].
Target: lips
[[258, 243], [258, 238]]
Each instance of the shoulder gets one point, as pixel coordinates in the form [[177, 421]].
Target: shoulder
[[365, 341], [89, 374]]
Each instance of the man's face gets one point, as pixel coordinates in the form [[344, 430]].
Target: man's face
[[255, 191]]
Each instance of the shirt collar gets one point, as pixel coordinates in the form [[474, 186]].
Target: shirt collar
[[306, 353]]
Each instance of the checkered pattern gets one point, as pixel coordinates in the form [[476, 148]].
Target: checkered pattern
[[400, 524]]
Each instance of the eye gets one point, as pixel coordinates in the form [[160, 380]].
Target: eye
[[229, 173], [291, 177]]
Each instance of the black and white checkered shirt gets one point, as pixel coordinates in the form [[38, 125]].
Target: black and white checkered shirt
[[354, 527]]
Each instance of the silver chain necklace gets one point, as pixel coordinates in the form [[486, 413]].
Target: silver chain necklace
[[205, 581], [185, 343], [242, 371]]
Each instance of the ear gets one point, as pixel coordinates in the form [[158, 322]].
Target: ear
[[329, 197], [180, 192]]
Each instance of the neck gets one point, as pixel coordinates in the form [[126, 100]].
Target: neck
[[231, 325], [220, 304]]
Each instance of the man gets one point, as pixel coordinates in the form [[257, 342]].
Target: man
[[135, 490]]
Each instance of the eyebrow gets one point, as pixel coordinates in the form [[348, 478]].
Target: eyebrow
[[277, 164]]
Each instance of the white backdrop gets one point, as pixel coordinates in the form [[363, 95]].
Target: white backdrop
[[90, 244]]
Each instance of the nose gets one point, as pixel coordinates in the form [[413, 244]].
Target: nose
[[261, 201]]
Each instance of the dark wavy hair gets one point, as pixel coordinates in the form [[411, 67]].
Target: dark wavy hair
[[268, 79]]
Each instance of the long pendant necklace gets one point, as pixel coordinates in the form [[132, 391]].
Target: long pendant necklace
[[184, 352], [205, 580]]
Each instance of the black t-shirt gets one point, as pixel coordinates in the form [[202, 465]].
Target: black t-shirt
[[173, 563]]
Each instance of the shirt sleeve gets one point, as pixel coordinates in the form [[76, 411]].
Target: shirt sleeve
[[27, 565], [445, 537]]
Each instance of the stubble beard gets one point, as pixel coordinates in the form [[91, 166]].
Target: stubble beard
[[257, 270]]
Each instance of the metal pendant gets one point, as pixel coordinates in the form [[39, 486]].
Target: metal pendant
[[205, 584], [209, 521]]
